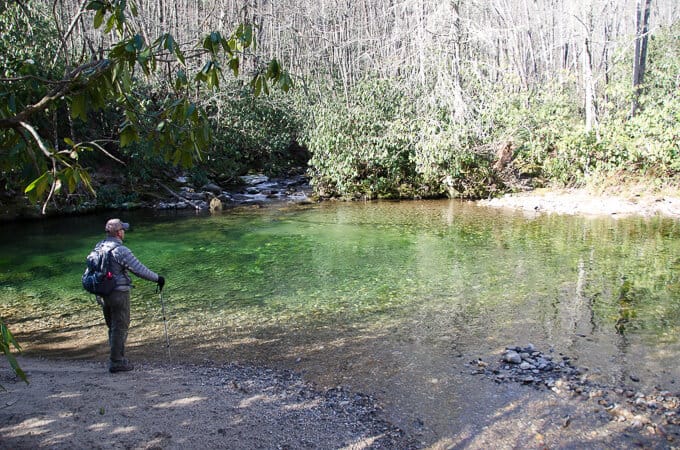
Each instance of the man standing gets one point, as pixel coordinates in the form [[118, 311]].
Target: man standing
[[116, 305]]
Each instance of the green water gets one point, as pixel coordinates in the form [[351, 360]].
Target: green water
[[350, 291]]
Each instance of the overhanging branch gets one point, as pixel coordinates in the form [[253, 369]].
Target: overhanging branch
[[69, 85]]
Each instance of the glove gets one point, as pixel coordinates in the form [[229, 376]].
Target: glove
[[161, 282]]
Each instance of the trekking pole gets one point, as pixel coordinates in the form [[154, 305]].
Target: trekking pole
[[165, 320]]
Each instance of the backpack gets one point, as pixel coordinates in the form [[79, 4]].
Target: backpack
[[98, 278]]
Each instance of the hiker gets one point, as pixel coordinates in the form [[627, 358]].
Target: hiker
[[116, 305]]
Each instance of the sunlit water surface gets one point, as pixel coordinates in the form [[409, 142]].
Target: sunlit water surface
[[380, 296]]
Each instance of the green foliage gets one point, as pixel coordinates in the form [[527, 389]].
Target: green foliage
[[247, 134], [198, 176], [453, 158], [363, 147], [252, 133], [167, 123], [577, 154], [383, 141], [649, 143], [381, 144], [26, 46], [7, 341], [143, 166], [535, 122], [378, 139], [108, 196], [546, 125]]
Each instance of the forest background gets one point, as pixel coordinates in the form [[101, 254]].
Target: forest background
[[390, 98]]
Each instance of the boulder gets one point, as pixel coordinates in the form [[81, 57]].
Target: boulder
[[215, 204], [212, 187]]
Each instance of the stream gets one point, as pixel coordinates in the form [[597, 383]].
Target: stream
[[390, 298]]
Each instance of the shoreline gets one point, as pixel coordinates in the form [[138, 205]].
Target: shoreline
[[565, 201], [78, 404]]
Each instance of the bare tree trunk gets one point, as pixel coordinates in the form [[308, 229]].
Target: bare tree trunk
[[512, 44], [460, 107], [640, 58], [589, 87], [587, 68]]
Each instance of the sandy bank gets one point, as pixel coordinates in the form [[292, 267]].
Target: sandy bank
[[583, 202]]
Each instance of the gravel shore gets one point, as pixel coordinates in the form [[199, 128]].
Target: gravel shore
[[77, 404]]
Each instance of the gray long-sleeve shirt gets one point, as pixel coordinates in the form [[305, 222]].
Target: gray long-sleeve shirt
[[124, 260]]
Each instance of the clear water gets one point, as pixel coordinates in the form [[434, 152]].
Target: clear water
[[377, 295]]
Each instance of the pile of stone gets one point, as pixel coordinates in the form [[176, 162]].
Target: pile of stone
[[530, 366], [657, 411]]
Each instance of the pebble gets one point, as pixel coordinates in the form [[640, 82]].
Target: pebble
[[512, 357], [526, 365]]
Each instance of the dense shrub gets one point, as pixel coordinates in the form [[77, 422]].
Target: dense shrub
[[362, 147], [650, 141], [380, 142], [381, 138], [27, 44], [253, 134], [248, 134], [551, 144]]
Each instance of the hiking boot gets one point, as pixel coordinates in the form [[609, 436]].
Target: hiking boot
[[122, 367]]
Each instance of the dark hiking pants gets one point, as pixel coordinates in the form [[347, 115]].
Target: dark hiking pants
[[117, 315]]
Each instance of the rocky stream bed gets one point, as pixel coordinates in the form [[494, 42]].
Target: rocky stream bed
[[252, 190]]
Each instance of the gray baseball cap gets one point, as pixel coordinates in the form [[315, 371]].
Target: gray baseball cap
[[114, 225]]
